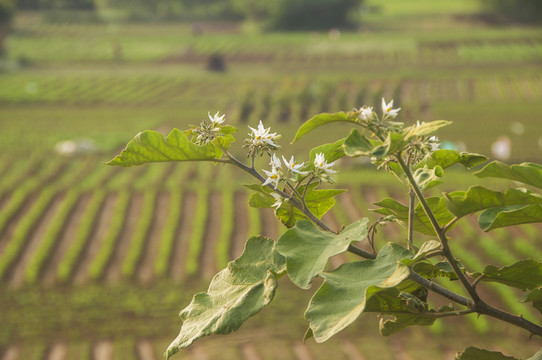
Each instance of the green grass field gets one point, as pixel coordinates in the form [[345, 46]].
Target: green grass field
[[96, 262]]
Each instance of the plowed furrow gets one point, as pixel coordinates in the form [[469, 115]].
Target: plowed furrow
[[207, 258], [180, 248], [16, 275], [51, 265], [58, 351], [249, 352], [351, 351], [145, 270], [12, 353], [7, 232], [145, 350], [113, 272], [240, 226], [95, 241], [270, 223], [302, 352], [103, 350]]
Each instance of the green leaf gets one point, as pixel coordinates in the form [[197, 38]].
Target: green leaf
[[401, 321], [426, 248], [510, 215], [524, 274], [235, 294], [479, 198], [318, 201], [320, 120], [446, 158], [527, 173], [537, 356], [472, 353], [332, 152], [428, 177], [345, 291], [307, 248], [535, 296], [424, 129], [422, 224], [358, 145], [151, 146]]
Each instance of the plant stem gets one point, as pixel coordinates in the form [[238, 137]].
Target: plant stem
[[411, 218], [439, 231]]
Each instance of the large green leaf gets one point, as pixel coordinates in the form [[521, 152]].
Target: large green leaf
[[479, 198], [510, 215], [307, 248], [446, 158], [151, 146], [422, 224], [524, 274], [322, 119], [534, 296], [318, 201], [332, 152], [472, 353], [346, 291], [527, 173], [235, 294]]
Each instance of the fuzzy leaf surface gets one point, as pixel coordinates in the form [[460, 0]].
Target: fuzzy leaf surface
[[307, 248], [322, 119], [478, 198], [524, 274], [472, 353], [527, 173], [345, 292], [151, 146], [235, 294]]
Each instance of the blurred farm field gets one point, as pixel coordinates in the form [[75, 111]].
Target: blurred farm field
[[96, 262]]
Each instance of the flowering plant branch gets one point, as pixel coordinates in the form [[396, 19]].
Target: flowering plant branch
[[396, 279]]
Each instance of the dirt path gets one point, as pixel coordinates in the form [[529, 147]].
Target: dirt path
[[113, 272], [103, 350], [145, 351], [95, 240], [270, 223], [145, 270], [16, 274], [58, 351], [50, 268], [240, 225], [180, 248], [207, 258], [12, 353]]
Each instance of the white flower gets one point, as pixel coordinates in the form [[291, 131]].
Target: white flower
[[278, 200], [273, 177], [275, 162], [321, 164], [261, 136], [216, 120], [434, 142], [366, 113], [387, 109], [292, 166]]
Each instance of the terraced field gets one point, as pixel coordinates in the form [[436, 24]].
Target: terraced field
[[96, 262]]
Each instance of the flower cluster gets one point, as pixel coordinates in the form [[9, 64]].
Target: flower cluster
[[261, 140], [380, 126], [208, 130]]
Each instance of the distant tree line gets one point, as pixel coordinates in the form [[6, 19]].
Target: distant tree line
[[522, 11], [274, 14]]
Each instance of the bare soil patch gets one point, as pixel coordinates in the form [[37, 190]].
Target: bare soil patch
[[207, 258], [180, 248], [240, 225]]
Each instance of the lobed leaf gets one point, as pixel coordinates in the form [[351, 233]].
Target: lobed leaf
[[322, 119], [524, 274], [510, 215], [307, 248], [422, 224], [235, 294], [472, 353], [447, 157], [527, 173], [477, 198], [151, 146], [345, 292]]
